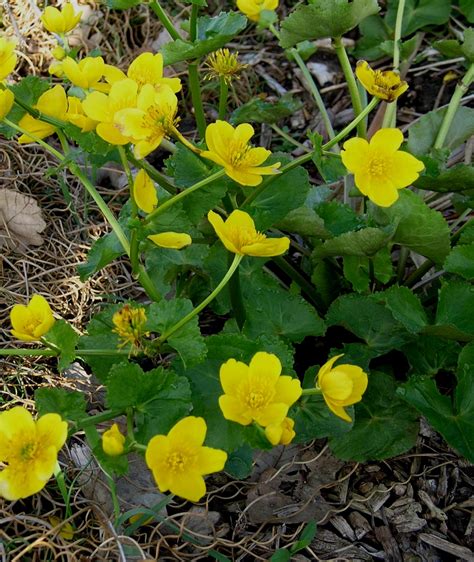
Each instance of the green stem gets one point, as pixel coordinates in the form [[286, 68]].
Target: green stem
[[196, 98], [390, 117], [402, 261], [41, 116], [28, 352], [146, 282], [165, 20], [113, 493], [61, 482], [238, 307], [154, 174], [461, 89], [351, 83], [418, 273], [167, 204], [205, 302], [34, 138], [457, 234], [223, 93], [289, 138], [193, 27], [310, 391], [134, 253], [98, 418]]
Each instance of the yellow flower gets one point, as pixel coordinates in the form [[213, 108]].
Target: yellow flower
[[75, 115], [60, 21], [281, 433], [341, 386], [257, 392], [32, 321], [130, 325], [52, 103], [252, 8], [8, 56], [174, 240], [238, 234], [147, 68], [56, 69], [230, 148], [223, 63], [6, 102], [29, 451], [151, 121], [113, 441], [102, 108], [179, 460], [144, 192], [379, 168], [383, 84], [86, 73], [59, 53]]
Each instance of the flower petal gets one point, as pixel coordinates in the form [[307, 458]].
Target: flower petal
[[338, 410], [51, 431], [273, 413], [386, 140], [190, 486], [264, 367], [267, 248], [233, 409], [287, 390], [190, 430], [407, 168], [210, 460], [221, 231], [232, 373], [355, 154], [174, 240]]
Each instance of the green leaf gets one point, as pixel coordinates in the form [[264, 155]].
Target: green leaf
[[338, 217], [369, 320], [384, 426], [418, 227], [422, 134], [122, 4], [88, 142], [374, 32], [324, 18], [187, 341], [405, 307], [281, 197], [383, 266], [455, 421], [455, 313], [428, 355], [63, 336], [213, 34], [281, 555], [356, 271], [69, 404], [457, 178], [418, 14], [468, 43], [467, 8], [240, 462], [259, 111], [104, 250], [330, 168], [363, 243], [304, 221], [461, 261]]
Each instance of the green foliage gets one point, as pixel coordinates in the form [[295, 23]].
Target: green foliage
[[104, 251], [365, 242], [324, 18], [304, 221], [89, 142], [459, 177], [122, 4], [455, 313], [307, 535], [69, 404], [64, 338], [452, 48], [461, 261], [384, 426], [213, 34], [418, 14], [331, 168], [467, 8], [428, 355], [260, 111], [405, 307]]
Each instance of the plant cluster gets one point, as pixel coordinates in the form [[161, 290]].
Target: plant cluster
[[234, 227]]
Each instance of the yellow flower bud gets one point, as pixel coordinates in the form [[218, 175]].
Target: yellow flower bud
[[58, 53], [113, 441], [32, 321], [60, 21]]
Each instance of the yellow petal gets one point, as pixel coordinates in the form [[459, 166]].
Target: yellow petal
[[273, 413], [16, 423], [110, 133], [232, 373], [221, 231], [264, 366], [38, 128], [234, 410], [244, 132], [327, 367], [338, 411], [267, 248], [243, 177], [51, 431], [287, 390], [53, 102], [406, 168], [218, 137], [274, 432], [382, 193], [190, 430], [366, 75], [144, 192], [174, 240], [355, 154], [386, 140], [190, 486], [113, 441], [210, 460], [130, 122], [337, 385], [96, 106]]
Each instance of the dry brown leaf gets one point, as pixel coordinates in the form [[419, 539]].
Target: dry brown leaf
[[21, 220]]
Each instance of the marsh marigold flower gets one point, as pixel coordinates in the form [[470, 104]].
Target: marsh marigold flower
[[29, 450], [253, 8], [173, 240], [383, 84], [86, 73], [379, 168], [230, 148], [281, 433], [6, 102], [52, 103], [147, 68], [32, 321], [342, 385], [179, 460], [102, 108], [258, 392], [113, 441], [75, 115], [144, 192], [60, 21], [224, 64], [130, 325], [151, 121], [8, 56], [238, 234]]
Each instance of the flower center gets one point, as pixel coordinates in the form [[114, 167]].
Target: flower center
[[159, 120], [238, 152], [178, 461], [378, 167], [245, 237], [28, 451]]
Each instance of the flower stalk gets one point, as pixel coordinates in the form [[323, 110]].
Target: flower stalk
[[223, 94], [164, 18], [196, 98]]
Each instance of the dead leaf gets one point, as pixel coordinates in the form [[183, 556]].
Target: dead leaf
[[21, 220]]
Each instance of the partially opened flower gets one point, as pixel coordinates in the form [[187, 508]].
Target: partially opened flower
[[281, 433], [179, 460], [32, 321], [52, 103], [384, 84], [258, 392], [173, 240], [75, 115], [103, 107], [113, 441], [147, 68], [151, 121], [130, 325], [86, 73], [230, 148], [8, 56], [144, 192], [60, 21], [239, 235], [224, 64], [29, 451], [253, 8], [342, 385], [379, 168], [6, 102]]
